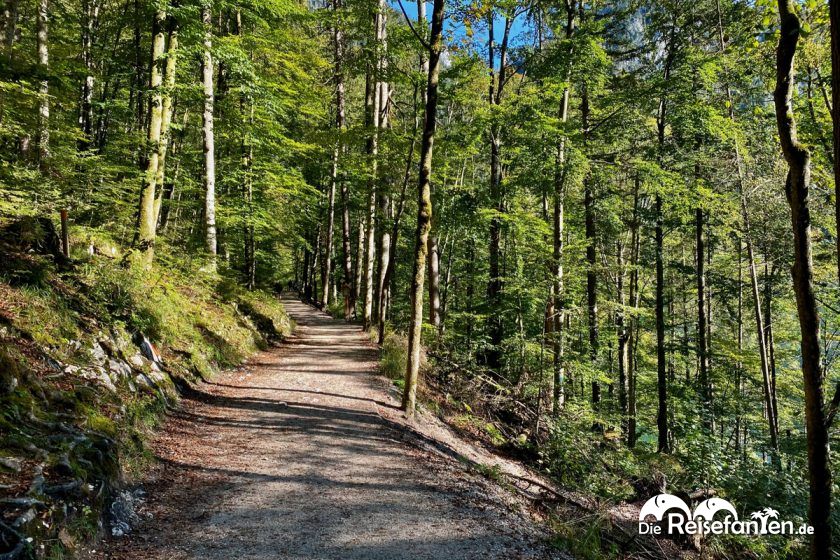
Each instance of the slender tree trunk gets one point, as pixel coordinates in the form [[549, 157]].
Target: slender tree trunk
[[172, 179], [360, 260], [44, 84], [662, 380], [10, 17], [395, 231], [90, 13], [621, 334], [209, 139], [797, 188], [166, 114], [147, 219], [591, 276], [635, 241], [424, 210], [663, 444], [834, 15], [328, 239], [340, 122], [702, 328], [382, 197], [559, 196], [771, 354], [434, 282], [373, 111]]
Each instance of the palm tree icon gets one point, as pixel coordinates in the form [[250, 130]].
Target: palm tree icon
[[764, 515]]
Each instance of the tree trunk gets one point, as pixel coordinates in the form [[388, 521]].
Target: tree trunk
[[360, 261], [147, 219], [372, 117], [621, 335], [90, 13], [382, 197], [796, 190], [395, 231], [663, 444], [44, 85], [209, 140], [328, 239], [424, 210], [434, 282], [166, 114], [632, 338], [340, 122], [10, 17], [834, 15], [591, 276], [702, 328], [559, 196]]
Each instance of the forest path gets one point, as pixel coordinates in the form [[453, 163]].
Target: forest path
[[302, 454]]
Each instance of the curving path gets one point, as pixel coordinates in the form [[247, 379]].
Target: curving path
[[301, 454]]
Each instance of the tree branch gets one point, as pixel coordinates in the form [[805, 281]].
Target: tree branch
[[411, 26]]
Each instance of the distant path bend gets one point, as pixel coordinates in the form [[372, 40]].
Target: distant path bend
[[289, 457]]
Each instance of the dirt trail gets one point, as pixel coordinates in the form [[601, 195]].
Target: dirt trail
[[302, 454]]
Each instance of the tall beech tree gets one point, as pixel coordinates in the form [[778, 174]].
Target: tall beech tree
[[424, 207], [797, 189]]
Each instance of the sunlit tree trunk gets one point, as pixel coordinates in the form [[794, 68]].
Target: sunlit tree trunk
[[10, 18], [373, 112], [424, 210], [166, 114], [147, 218], [44, 84], [209, 139], [340, 122], [797, 186], [90, 14], [328, 238], [834, 15], [558, 197]]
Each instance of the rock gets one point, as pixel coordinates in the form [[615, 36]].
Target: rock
[[123, 511], [136, 360], [141, 379], [98, 354], [11, 463], [27, 517], [100, 376], [119, 368], [70, 369], [107, 382]]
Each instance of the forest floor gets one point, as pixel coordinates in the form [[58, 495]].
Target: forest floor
[[303, 453]]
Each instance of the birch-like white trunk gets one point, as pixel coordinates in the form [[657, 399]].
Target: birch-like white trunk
[[209, 140]]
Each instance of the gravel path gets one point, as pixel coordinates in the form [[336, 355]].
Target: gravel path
[[302, 454]]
